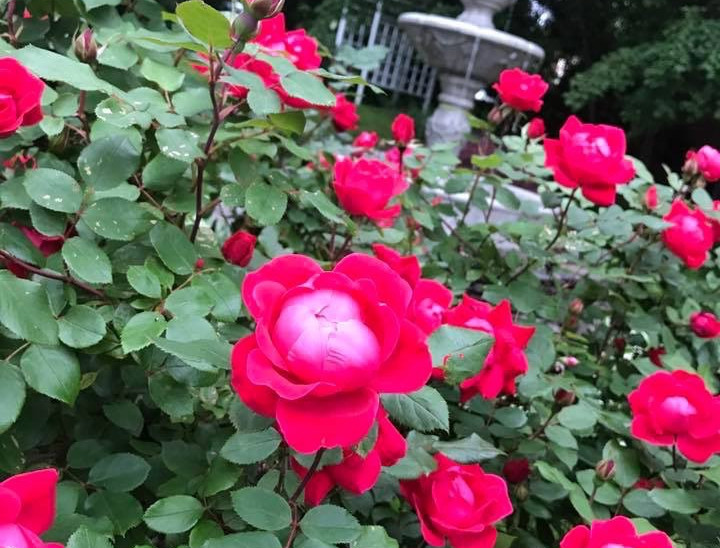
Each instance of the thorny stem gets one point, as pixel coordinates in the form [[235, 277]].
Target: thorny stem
[[473, 189], [294, 497], [544, 425], [492, 205], [52, 275], [9, 15]]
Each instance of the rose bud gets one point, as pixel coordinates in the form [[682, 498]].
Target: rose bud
[[244, 26], [366, 139], [564, 397], [265, 9], [655, 355], [522, 492], [690, 167], [576, 307], [705, 325], [200, 264], [651, 197], [536, 128], [516, 470], [403, 129], [708, 163], [238, 249], [86, 47], [497, 115], [620, 344], [570, 361], [605, 469]]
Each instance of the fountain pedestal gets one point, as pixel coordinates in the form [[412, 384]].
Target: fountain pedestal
[[469, 54]]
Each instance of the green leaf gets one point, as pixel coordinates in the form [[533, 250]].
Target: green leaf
[[578, 417], [487, 162], [292, 121], [701, 197], [92, 4], [266, 204], [108, 162], [469, 361], [249, 448], [142, 330], [424, 410], [638, 502], [144, 281], [174, 514], [330, 524], [325, 207], [205, 355], [122, 509], [174, 248], [256, 539], [171, 396], [262, 101], [374, 536], [189, 301], [166, 76], [178, 144], [53, 190], [117, 219], [49, 223], [121, 472], [126, 415], [224, 294], [448, 340], [675, 500], [53, 371], [184, 459], [87, 261], [204, 531], [466, 450], [12, 395], [25, 310], [86, 538], [243, 167], [562, 436], [627, 467], [245, 419], [581, 504], [262, 509], [81, 327], [302, 85], [13, 241], [204, 23], [162, 172], [118, 56]]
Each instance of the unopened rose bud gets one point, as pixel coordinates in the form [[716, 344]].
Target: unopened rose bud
[[620, 344], [576, 307], [497, 115], [564, 397], [200, 264], [86, 47], [690, 167], [605, 469], [244, 27], [570, 361], [522, 492], [264, 9]]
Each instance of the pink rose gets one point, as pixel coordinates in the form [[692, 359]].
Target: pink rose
[[458, 504], [536, 128], [365, 187], [677, 409], [614, 532], [326, 345], [591, 157], [27, 509], [403, 129], [366, 139], [506, 360], [691, 235], [344, 114], [708, 163], [20, 97], [705, 325], [520, 90]]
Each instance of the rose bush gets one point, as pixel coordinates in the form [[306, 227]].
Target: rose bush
[[230, 318]]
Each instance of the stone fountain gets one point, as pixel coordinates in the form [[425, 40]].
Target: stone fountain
[[469, 54]]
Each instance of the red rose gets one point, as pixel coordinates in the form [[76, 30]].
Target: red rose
[[715, 223], [238, 249], [364, 187], [677, 409], [403, 129], [691, 235], [366, 139], [614, 532], [355, 473], [655, 355], [705, 325], [708, 163], [520, 90], [651, 197], [20, 97], [27, 509], [506, 360], [649, 484], [47, 245], [296, 45], [536, 128], [431, 300], [344, 113], [326, 345], [459, 504], [516, 470], [591, 157], [408, 266]]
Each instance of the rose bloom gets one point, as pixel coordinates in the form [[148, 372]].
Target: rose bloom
[[536, 128], [705, 325], [47, 245], [238, 249], [296, 45], [365, 187], [520, 90], [20, 97], [516, 470], [708, 162], [403, 129], [651, 197], [356, 474], [344, 114], [366, 139], [458, 504], [616, 532], [506, 360], [691, 235], [408, 266], [677, 409], [27, 509], [715, 223], [326, 345], [591, 157]]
